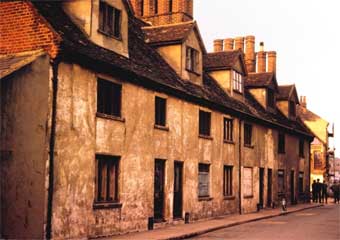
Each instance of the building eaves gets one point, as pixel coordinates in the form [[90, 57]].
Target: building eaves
[[259, 80]]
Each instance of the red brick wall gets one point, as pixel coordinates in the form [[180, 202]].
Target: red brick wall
[[22, 29]]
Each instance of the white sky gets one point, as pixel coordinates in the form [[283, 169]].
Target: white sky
[[305, 34]]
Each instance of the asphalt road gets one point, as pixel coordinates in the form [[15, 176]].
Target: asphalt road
[[313, 224]]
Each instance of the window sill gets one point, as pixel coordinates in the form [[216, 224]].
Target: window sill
[[229, 197], [106, 205], [205, 137], [193, 72], [207, 198], [238, 92], [111, 117], [229, 142], [250, 196], [160, 127], [109, 35], [248, 146]]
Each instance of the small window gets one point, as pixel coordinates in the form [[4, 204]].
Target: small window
[[109, 98], [192, 58], [270, 98], [204, 123], [228, 181], [301, 148], [281, 181], [203, 180], [228, 130], [170, 6], [237, 82], [281, 145], [300, 186], [160, 111], [292, 109], [248, 131], [107, 178], [109, 20]]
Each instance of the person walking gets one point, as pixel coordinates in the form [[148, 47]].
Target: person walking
[[314, 191], [324, 194], [336, 191], [318, 190]]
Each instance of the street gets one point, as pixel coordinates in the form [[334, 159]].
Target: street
[[317, 223]]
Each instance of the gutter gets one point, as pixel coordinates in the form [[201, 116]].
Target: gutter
[[50, 191]]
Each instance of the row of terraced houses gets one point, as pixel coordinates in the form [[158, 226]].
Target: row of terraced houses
[[115, 118]]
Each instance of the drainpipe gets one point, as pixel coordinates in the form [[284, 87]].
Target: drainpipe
[[51, 150], [239, 164]]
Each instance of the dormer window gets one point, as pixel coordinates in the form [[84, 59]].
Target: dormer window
[[292, 109], [237, 82], [270, 98], [109, 20], [192, 60]]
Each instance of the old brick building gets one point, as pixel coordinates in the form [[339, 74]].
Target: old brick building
[[114, 116]]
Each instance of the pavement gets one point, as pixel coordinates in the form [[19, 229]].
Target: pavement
[[183, 231]]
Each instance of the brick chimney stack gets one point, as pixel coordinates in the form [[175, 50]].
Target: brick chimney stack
[[239, 43], [218, 45], [271, 61], [250, 54], [303, 101], [261, 59], [228, 44]]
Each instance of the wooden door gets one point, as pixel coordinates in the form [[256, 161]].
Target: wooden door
[[159, 189], [261, 185], [178, 190], [292, 187]]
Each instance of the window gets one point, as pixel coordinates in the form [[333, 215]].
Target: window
[[270, 98], [109, 19], [228, 130], [107, 178], [141, 7], [248, 181], [160, 111], [109, 98], [228, 181], [300, 186], [292, 109], [170, 6], [301, 148], [281, 181], [191, 59], [156, 6], [204, 123], [317, 160], [281, 145], [203, 180], [237, 82], [248, 130]]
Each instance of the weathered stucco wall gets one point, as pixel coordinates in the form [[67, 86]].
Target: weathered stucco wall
[[283, 107], [260, 95], [172, 55], [223, 77], [24, 141]]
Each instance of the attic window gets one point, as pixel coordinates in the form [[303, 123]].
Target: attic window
[[237, 82], [109, 20], [270, 98], [292, 109], [191, 63]]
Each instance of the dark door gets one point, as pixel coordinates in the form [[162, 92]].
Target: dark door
[[159, 190], [269, 187], [292, 188], [178, 173], [261, 186]]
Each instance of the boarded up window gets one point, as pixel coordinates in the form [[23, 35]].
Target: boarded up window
[[228, 181], [203, 180], [107, 178], [282, 144], [317, 160], [248, 182], [204, 123], [281, 181], [109, 98], [160, 111]]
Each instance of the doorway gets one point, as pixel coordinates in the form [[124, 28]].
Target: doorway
[[269, 187], [159, 190], [178, 190], [261, 185], [292, 187]]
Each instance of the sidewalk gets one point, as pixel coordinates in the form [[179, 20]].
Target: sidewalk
[[193, 229]]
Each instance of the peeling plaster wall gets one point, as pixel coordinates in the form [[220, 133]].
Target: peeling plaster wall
[[24, 149]]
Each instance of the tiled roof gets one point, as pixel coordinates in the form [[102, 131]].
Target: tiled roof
[[221, 60], [146, 67], [167, 33], [284, 92], [259, 79], [11, 63]]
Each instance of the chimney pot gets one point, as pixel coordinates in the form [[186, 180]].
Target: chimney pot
[[250, 57], [218, 45], [239, 43], [228, 44], [303, 101], [271, 61], [261, 46]]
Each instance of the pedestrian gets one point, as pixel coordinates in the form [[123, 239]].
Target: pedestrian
[[324, 194], [314, 191], [336, 191], [318, 190]]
